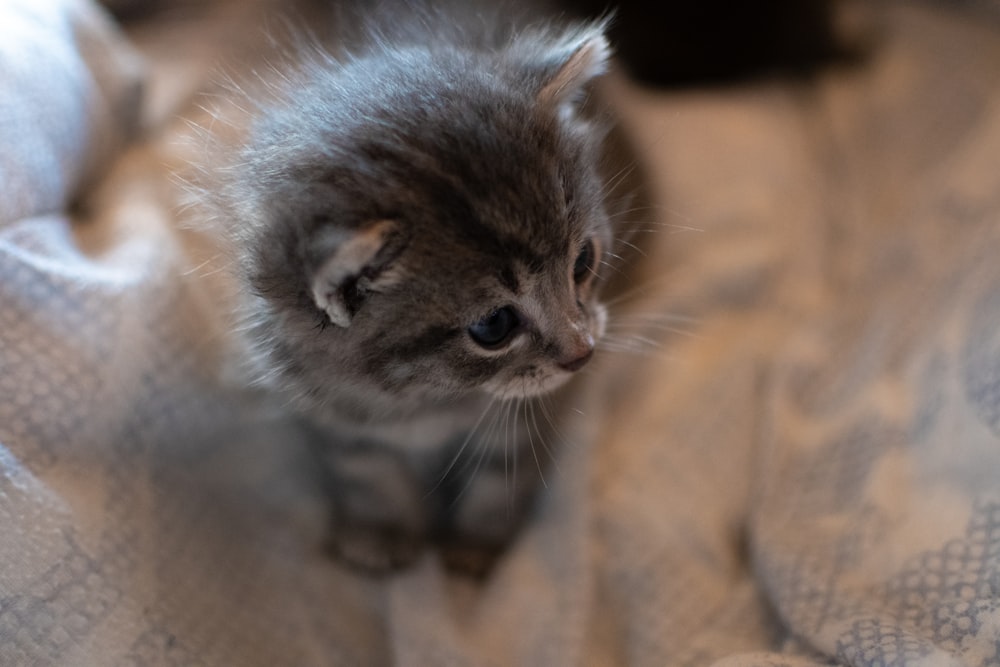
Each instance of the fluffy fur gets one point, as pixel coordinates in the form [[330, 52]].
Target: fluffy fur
[[418, 227]]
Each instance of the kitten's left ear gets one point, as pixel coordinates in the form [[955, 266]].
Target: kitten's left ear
[[581, 57], [356, 263]]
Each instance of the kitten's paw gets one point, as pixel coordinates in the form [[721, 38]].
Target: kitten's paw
[[471, 560], [375, 549]]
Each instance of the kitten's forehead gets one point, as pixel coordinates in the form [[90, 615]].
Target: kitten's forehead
[[486, 183], [477, 283], [481, 134]]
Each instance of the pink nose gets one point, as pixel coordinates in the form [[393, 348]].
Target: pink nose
[[579, 362]]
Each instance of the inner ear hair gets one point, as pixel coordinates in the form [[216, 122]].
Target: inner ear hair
[[587, 60], [356, 265]]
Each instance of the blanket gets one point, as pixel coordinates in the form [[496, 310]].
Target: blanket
[[795, 460]]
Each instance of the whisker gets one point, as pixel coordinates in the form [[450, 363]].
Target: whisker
[[639, 351], [541, 440], [196, 270], [610, 266], [487, 436], [631, 293], [634, 341], [633, 338], [657, 316], [659, 327], [619, 214], [461, 449], [494, 426], [531, 442], [543, 404], [631, 245], [506, 452], [634, 348], [656, 223], [484, 446], [611, 183], [503, 423], [660, 323], [638, 227], [638, 326], [512, 422], [628, 229], [654, 206], [619, 259]]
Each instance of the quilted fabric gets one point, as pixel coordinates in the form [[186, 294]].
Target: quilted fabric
[[799, 465]]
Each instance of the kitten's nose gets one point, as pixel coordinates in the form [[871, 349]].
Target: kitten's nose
[[579, 355], [578, 363]]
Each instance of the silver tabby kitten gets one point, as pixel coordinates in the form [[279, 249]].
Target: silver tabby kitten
[[418, 227]]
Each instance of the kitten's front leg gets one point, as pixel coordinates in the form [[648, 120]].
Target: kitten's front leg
[[387, 504], [486, 506], [380, 520]]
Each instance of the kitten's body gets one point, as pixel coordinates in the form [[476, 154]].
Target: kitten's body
[[418, 227]]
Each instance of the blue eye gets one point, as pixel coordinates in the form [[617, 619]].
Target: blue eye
[[494, 330], [584, 264]]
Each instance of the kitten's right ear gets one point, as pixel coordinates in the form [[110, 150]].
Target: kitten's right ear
[[356, 263]]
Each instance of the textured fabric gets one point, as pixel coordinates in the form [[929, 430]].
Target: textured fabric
[[71, 89], [800, 465]]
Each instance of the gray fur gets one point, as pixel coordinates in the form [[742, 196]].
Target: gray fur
[[487, 175]]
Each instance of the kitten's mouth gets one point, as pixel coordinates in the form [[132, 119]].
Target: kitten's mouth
[[538, 380], [579, 357], [547, 381]]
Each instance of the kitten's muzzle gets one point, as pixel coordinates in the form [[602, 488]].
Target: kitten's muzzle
[[578, 357], [578, 363]]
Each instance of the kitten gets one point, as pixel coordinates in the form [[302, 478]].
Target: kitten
[[418, 227]]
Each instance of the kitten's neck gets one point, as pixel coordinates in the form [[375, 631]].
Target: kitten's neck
[[361, 414], [422, 427]]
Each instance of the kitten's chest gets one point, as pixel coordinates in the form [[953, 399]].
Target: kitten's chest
[[424, 433]]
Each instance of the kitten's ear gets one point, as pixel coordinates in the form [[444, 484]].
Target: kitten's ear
[[356, 263], [581, 57]]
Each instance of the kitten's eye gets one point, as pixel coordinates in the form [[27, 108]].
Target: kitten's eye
[[494, 330], [584, 262]]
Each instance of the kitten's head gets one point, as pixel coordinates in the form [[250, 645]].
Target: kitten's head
[[421, 223]]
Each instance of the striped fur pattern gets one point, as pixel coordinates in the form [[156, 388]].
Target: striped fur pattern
[[418, 226]]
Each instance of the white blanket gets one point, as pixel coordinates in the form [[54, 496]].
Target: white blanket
[[804, 469]]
